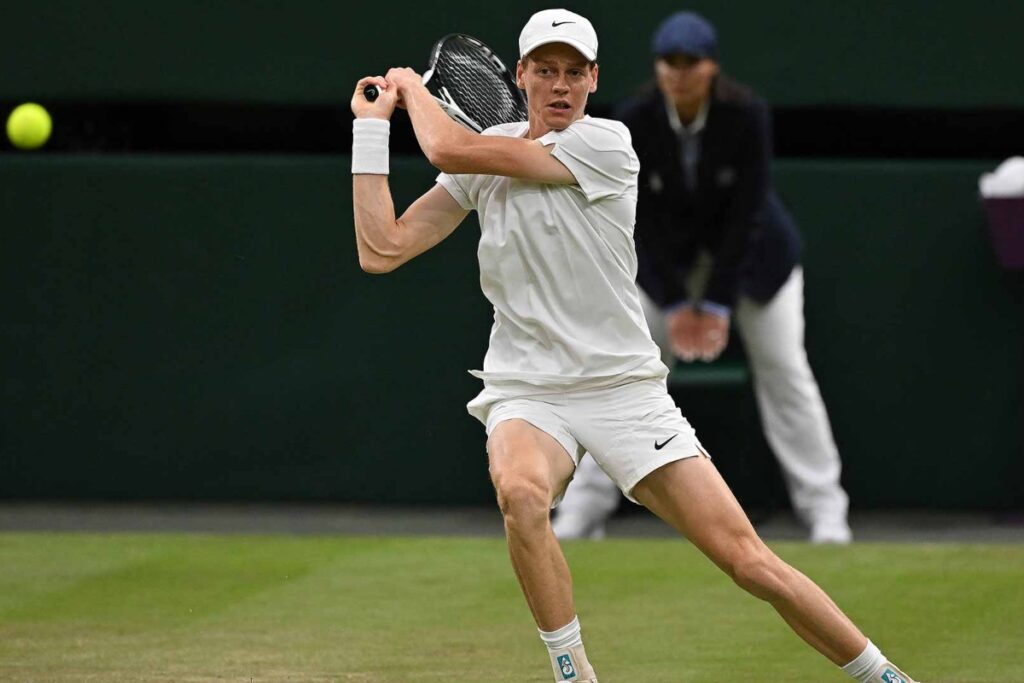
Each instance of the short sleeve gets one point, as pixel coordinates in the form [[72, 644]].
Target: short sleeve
[[456, 189], [599, 153]]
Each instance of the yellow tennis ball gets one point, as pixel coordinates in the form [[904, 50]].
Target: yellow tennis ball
[[29, 126]]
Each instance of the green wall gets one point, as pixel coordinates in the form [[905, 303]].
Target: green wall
[[916, 334], [874, 52], [198, 327]]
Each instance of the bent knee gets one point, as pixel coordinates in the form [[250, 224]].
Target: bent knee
[[522, 500]]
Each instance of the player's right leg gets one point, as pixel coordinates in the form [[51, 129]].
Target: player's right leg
[[529, 469]]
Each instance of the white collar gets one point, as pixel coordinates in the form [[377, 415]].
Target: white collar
[[693, 128]]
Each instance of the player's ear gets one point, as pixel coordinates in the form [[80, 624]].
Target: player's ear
[[520, 83], [593, 77]]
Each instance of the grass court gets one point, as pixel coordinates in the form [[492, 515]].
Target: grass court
[[178, 607]]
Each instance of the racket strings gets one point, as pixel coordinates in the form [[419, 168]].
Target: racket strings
[[483, 92]]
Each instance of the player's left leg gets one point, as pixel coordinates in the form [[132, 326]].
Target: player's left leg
[[691, 495]]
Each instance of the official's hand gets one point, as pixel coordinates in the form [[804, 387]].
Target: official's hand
[[403, 80], [712, 335], [682, 326], [382, 107]]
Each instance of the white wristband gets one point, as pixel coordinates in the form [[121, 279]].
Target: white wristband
[[370, 146]]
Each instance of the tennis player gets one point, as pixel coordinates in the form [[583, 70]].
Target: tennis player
[[571, 367]]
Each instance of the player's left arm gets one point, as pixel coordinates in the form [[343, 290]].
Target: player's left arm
[[453, 149]]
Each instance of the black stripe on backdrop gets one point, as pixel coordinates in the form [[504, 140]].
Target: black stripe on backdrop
[[224, 128]]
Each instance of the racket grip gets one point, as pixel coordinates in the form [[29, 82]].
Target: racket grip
[[371, 93]]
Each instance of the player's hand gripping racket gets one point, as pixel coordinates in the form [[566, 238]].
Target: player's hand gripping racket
[[470, 83]]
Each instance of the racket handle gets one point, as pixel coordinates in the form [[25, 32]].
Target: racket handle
[[371, 93]]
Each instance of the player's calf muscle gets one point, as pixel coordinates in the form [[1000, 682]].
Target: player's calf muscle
[[762, 574]]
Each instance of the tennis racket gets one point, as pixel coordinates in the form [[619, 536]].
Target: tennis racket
[[470, 83]]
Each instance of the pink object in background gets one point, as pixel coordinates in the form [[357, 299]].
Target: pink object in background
[[1006, 225]]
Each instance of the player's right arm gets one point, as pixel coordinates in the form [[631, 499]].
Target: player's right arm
[[455, 150], [384, 241]]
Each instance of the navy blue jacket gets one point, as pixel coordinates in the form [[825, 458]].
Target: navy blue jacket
[[734, 212]]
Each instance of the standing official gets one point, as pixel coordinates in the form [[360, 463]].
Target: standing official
[[715, 245]]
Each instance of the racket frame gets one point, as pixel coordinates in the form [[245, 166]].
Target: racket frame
[[440, 93]]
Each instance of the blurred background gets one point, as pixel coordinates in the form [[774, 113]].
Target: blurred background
[[184, 318]]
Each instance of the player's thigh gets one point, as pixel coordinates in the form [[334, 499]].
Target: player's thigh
[[633, 429], [521, 453], [691, 496]]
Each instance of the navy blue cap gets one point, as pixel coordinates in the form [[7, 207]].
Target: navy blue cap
[[686, 33]]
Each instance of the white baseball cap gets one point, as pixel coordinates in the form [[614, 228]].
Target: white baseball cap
[[558, 26]]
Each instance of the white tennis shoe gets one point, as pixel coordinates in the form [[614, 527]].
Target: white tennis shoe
[[835, 531], [574, 527], [571, 666], [888, 673]]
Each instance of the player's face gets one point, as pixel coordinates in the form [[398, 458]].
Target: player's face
[[557, 80], [685, 79]]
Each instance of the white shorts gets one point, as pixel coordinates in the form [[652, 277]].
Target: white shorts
[[630, 429]]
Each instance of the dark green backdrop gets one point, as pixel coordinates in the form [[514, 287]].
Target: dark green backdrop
[[199, 327], [874, 52]]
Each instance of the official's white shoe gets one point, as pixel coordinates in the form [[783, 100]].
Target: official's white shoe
[[835, 531], [571, 666], [573, 527], [888, 673]]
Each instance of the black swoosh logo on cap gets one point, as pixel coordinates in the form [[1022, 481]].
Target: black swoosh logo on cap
[[559, 23]]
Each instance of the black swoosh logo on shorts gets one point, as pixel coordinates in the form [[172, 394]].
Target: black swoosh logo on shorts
[[559, 23], [659, 446]]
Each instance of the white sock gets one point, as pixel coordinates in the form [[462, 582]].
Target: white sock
[[568, 658], [563, 638], [871, 666], [865, 664]]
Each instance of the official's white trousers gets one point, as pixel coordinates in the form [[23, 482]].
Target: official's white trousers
[[793, 414]]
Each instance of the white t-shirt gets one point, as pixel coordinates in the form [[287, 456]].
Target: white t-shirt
[[559, 265]]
